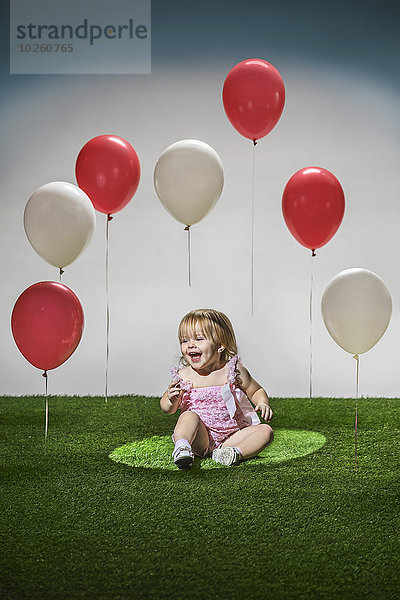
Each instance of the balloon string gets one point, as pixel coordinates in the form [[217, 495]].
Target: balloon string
[[187, 228], [311, 323], [355, 439], [44, 374], [109, 217], [357, 358], [252, 231]]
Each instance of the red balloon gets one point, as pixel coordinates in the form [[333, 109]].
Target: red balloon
[[253, 97], [108, 170], [47, 324], [313, 206]]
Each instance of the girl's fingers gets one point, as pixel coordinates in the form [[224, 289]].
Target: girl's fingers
[[266, 412], [173, 390]]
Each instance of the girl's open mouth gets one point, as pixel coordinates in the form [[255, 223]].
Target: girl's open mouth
[[195, 356]]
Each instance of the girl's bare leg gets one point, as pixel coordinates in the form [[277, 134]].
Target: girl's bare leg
[[191, 428], [251, 440]]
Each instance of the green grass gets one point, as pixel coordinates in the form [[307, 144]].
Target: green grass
[[75, 524]]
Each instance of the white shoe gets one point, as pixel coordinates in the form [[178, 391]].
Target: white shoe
[[183, 457], [227, 456]]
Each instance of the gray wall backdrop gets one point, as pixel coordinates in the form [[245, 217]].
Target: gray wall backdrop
[[339, 62]]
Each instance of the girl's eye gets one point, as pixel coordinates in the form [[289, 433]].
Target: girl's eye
[[183, 341], [199, 339]]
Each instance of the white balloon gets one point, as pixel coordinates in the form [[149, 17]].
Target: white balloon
[[59, 221], [356, 308], [189, 178]]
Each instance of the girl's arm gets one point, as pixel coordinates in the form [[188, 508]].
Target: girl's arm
[[170, 399], [255, 393]]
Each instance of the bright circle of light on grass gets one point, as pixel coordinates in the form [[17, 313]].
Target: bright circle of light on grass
[[155, 452]]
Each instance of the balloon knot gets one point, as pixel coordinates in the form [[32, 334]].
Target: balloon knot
[[61, 271], [254, 142], [109, 218], [44, 374], [187, 228], [356, 357], [313, 252]]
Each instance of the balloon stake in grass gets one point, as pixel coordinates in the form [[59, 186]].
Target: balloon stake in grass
[[313, 208], [59, 222], [108, 170], [188, 179], [356, 307], [253, 97], [47, 324]]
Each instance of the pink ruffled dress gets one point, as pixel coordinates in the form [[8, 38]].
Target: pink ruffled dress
[[224, 409]]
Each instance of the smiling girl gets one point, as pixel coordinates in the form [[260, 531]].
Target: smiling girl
[[213, 391]]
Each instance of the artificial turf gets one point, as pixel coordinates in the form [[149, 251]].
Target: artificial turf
[[75, 524]]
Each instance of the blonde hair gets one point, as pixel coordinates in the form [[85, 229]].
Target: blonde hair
[[214, 325]]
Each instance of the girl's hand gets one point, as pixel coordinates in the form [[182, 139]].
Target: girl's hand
[[174, 392], [266, 411]]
